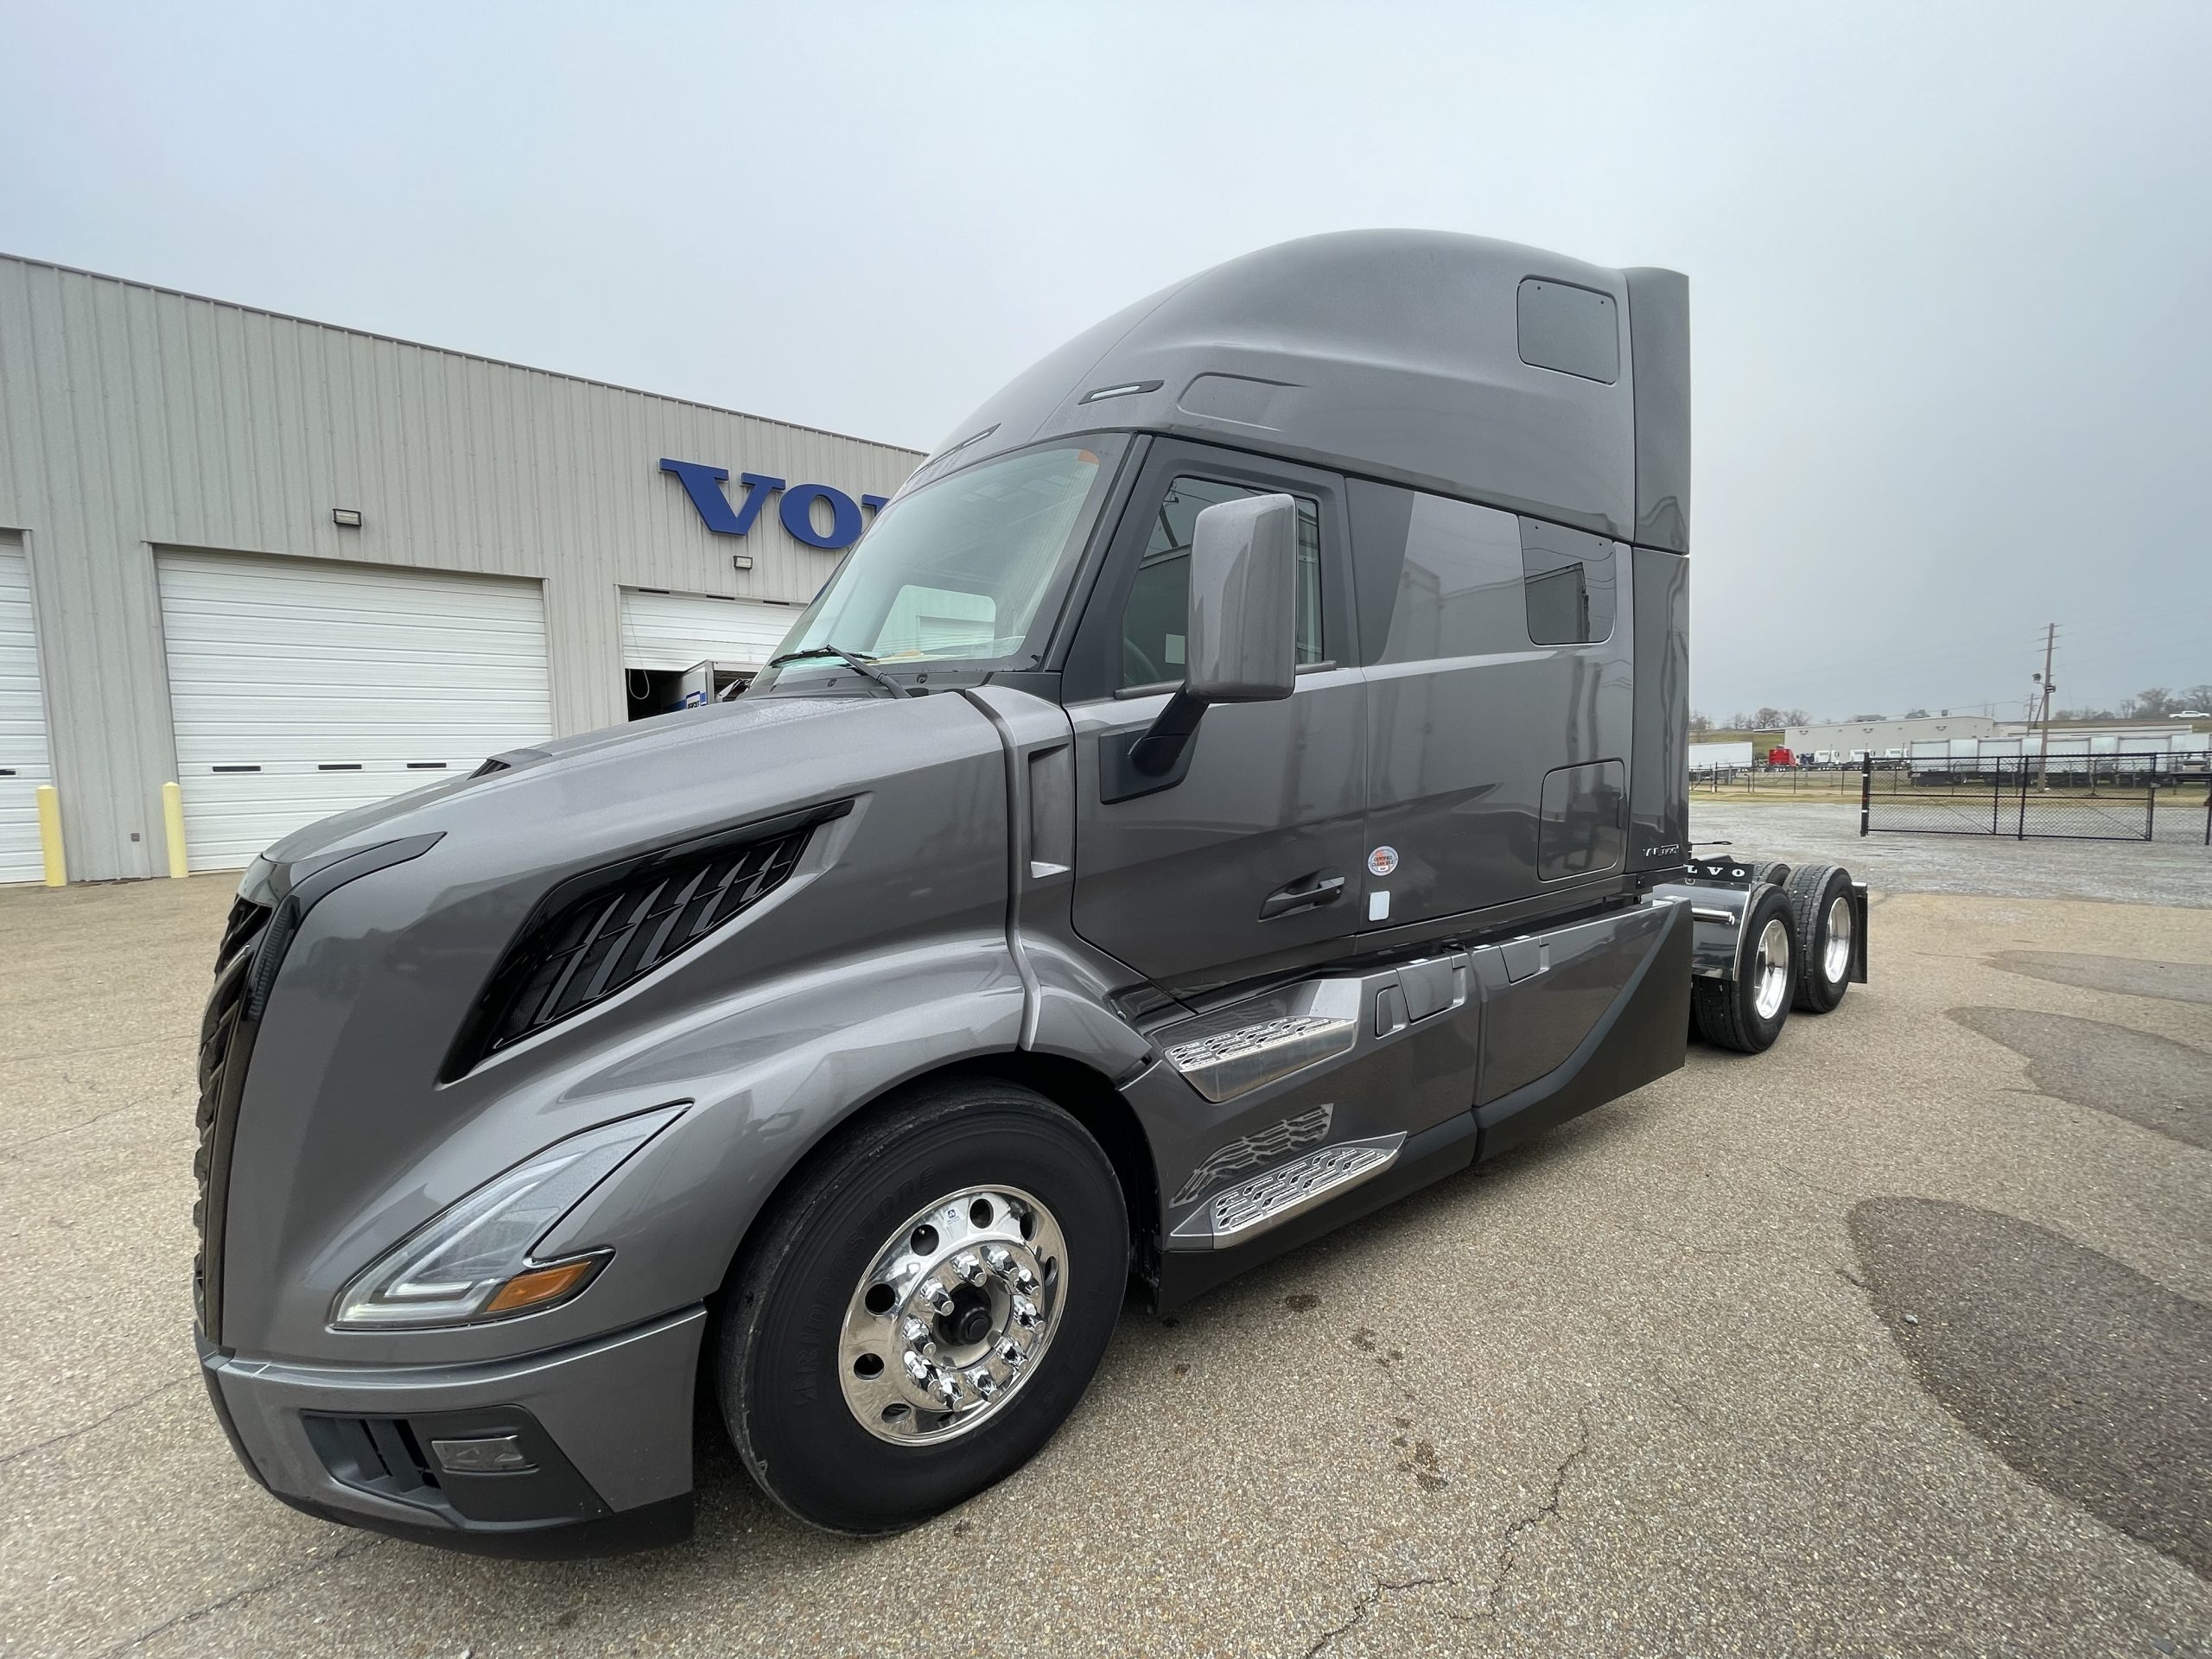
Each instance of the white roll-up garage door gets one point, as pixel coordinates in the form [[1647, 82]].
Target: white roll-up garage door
[[24, 762], [671, 631], [301, 689]]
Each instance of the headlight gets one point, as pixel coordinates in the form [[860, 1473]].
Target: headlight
[[473, 1262]]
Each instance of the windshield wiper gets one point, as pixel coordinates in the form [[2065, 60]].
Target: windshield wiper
[[860, 664]]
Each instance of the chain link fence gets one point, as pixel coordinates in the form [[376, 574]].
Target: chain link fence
[[2104, 798]]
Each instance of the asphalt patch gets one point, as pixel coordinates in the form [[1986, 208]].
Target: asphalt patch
[[2152, 1081], [2079, 1372], [2175, 981]]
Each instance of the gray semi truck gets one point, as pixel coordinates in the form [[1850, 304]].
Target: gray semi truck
[[1239, 779]]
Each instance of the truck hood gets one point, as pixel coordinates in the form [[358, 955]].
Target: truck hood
[[747, 744]]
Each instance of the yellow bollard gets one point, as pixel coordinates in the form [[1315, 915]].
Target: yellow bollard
[[173, 827], [50, 835]]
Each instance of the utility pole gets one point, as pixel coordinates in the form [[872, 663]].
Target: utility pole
[[2043, 761]]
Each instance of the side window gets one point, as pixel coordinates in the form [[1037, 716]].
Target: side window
[[1459, 589], [1157, 616], [1568, 578]]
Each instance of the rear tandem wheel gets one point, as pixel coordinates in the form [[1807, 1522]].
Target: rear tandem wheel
[[1746, 1012]]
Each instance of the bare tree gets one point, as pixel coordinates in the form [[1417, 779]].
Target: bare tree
[[2196, 699], [1700, 724], [2155, 703]]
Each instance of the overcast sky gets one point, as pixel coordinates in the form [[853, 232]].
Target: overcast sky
[[1949, 268]]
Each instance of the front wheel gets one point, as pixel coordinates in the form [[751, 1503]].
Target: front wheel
[[1746, 1012], [926, 1307]]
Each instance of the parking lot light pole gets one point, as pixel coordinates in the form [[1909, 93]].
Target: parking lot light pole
[[2043, 758]]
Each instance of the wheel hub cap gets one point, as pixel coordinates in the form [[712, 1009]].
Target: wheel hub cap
[[1835, 960], [1770, 969], [952, 1315]]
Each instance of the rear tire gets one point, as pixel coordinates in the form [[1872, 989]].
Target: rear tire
[[1746, 1012], [951, 1152], [1822, 924]]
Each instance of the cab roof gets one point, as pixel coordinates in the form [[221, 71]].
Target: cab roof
[[1455, 363]]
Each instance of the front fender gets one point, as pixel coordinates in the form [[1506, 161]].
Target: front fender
[[767, 1082]]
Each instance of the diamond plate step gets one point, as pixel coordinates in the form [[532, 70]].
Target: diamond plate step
[[1252, 1206]]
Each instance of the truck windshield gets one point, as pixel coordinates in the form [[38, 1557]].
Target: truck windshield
[[962, 568]]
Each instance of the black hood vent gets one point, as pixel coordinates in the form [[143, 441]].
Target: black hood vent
[[600, 932]]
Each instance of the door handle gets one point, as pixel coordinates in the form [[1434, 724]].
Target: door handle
[[1324, 890]]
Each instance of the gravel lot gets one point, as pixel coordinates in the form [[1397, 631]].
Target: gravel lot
[[1895, 1339]]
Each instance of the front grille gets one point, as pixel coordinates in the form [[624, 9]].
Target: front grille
[[603, 931], [222, 1063]]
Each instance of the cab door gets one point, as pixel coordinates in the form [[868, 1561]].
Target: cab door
[[1249, 864]]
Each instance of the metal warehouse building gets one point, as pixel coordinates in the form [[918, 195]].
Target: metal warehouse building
[[295, 568]]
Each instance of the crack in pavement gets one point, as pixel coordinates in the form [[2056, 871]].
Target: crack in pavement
[[1372, 1603], [1367, 1604], [67, 1434], [298, 1570], [14, 1148], [1509, 1549]]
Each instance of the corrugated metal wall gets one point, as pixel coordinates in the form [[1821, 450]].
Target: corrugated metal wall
[[675, 631], [133, 418]]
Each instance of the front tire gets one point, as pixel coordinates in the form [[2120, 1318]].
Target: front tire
[[1746, 1012], [925, 1308]]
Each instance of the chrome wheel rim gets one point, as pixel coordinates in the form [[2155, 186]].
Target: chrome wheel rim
[[1835, 958], [1770, 969], [952, 1315]]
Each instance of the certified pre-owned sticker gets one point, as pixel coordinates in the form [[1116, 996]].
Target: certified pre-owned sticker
[[1382, 861]]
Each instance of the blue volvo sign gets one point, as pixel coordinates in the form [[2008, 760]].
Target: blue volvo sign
[[703, 484]]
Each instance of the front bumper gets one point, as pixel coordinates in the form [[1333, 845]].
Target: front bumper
[[601, 1433]]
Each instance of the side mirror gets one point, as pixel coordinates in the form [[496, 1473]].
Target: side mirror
[[1241, 645]]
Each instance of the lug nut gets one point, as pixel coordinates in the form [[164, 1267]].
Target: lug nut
[[915, 1331], [982, 1381], [1001, 1259], [1025, 1312], [946, 1387], [968, 1267], [918, 1368], [936, 1297]]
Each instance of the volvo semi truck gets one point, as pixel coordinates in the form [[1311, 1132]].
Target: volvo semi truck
[[1240, 778]]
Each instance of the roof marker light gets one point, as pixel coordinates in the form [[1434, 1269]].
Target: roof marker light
[[1122, 391]]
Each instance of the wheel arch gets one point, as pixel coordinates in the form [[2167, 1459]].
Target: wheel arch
[[1081, 1090]]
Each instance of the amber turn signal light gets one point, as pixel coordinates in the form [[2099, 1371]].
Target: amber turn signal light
[[538, 1286]]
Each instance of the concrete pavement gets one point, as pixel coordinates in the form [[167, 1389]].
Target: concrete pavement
[[1734, 1365]]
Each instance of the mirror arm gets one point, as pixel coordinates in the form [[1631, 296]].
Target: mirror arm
[[1131, 764], [1170, 733]]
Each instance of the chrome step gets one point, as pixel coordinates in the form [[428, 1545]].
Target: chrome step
[[1252, 1206], [1226, 1054]]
